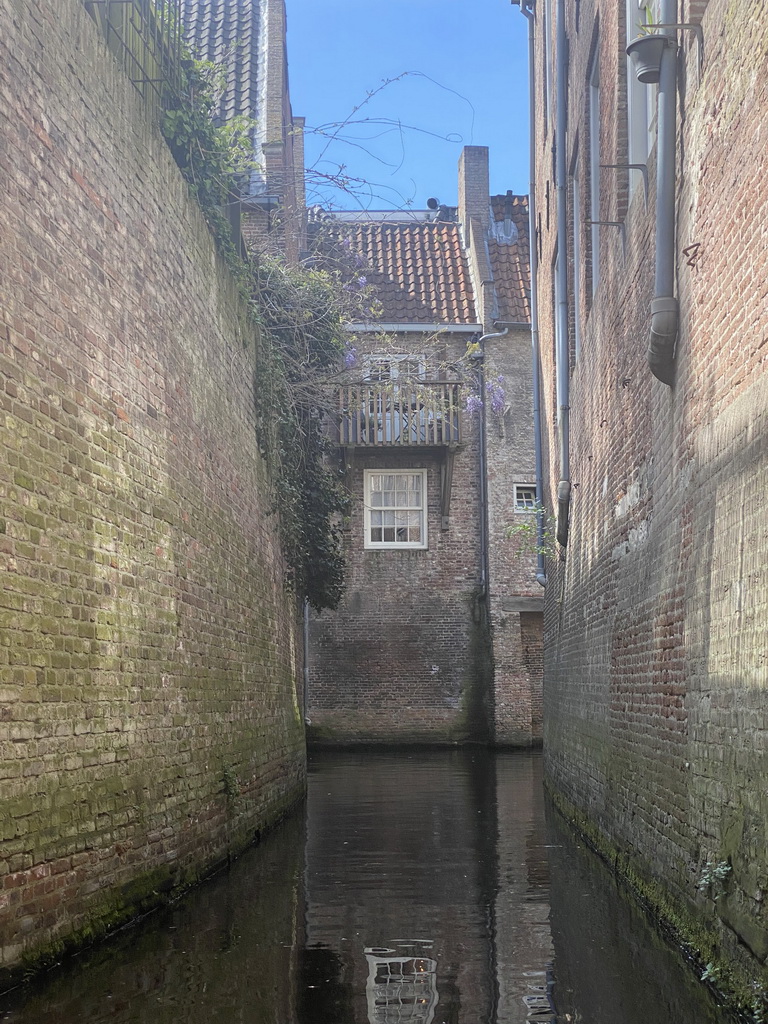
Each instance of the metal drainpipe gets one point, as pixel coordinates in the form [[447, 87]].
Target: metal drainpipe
[[526, 8], [480, 357], [665, 313], [305, 638], [563, 354]]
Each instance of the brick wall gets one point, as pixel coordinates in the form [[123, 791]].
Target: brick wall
[[655, 664], [149, 722], [513, 590], [405, 657]]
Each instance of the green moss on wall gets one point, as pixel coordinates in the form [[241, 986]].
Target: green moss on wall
[[682, 924]]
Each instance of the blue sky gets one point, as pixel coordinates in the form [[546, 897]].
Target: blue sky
[[457, 75]]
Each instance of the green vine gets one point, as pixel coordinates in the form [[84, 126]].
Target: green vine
[[299, 315], [215, 159], [526, 533], [302, 316]]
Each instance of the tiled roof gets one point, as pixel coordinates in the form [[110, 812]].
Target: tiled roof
[[230, 34], [419, 269], [509, 254]]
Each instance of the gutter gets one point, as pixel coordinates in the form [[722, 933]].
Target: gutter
[[526, 8], [483, 460], [378, 328], [305, 674], [665, 310], [563, 367]]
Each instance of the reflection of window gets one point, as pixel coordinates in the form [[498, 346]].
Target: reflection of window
[[395, 509], [525, 497], [400, 989]]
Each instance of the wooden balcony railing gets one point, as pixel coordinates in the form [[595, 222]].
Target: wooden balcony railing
[[392, 414]]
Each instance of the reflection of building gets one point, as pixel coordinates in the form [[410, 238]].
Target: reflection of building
[[400, 988], [438, 637], [425, 876]]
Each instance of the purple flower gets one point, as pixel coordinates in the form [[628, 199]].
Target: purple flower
[[496, 395], [362, 281], [474, 404], [350, 358]]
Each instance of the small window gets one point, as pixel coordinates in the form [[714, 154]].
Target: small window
[[384, 367], [525, 497], [395, 508]]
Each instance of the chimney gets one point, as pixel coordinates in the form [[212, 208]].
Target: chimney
[[474, 197]]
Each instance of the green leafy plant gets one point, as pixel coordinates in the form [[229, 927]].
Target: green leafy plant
[[231, 784], [298, 314], [711, 973], [713, 878], [215, 159], [526, 533], [302, 313], [759, 1004], [647, 25]]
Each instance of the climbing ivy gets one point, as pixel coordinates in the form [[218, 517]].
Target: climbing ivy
[[215, 159], [303, 342], [299, 315]]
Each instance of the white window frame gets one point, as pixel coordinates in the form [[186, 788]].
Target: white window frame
[[395, 545], [520, 506], [393, 359], [641, 98]]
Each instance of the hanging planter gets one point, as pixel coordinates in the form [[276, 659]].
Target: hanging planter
[[645, 54]]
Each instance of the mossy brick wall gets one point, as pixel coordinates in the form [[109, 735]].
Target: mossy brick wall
[[656, 731], [149, 723]]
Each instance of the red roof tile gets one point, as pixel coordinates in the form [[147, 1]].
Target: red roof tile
[[419, 270], [509, 254]]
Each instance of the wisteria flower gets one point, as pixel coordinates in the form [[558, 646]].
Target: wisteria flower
[[474, 404], [496, 394]]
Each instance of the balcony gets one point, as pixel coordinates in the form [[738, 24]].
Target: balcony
[[400, 414]]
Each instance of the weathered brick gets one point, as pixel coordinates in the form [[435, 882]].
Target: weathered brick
[[655, 669], [147, 641]]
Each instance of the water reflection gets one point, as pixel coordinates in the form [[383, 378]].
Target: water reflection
[[416, 888]]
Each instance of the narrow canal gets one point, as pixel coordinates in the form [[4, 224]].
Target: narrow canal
[[414, 887]]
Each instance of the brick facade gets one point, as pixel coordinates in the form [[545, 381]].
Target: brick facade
[[655, 667], [405, 658], [149, 720], [429, 645]]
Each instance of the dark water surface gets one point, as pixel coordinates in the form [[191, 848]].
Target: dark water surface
[[415, 887]]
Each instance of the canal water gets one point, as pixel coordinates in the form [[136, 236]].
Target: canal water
[[412, 888]]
